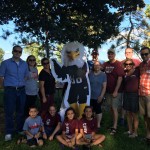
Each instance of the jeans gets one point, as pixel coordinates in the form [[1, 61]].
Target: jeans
[[14, 103]]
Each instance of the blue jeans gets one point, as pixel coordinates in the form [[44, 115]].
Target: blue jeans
[[14, 103]]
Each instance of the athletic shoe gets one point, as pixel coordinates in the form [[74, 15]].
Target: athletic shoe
[[8, 137]]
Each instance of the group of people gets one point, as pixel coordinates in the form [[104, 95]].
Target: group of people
[[124, 86], [21, 88]]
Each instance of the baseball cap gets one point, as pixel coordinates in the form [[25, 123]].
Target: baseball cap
[[94, 52], [111, 51]]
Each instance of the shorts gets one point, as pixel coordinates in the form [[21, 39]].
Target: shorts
[[96, 106], [114, 102], [131, 102], [33, 141], [144, 105], [49, 131]]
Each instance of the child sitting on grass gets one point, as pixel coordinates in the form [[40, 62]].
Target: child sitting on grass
[[34, 128], [52, 123], [88, 128], [69, 129]]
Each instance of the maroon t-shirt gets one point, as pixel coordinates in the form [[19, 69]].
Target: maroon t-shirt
[[51, 121], [131, 83], [69, 126], [88, 126], [113, 71]]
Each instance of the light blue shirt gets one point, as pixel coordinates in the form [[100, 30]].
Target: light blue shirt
[[14, 74], [96, 82]]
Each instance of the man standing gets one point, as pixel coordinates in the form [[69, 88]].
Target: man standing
[[144, 91], [129, 55], [114, 73], [12, 76]]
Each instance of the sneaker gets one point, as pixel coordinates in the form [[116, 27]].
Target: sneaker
[[8, 137], [127, 133], [133, 135]]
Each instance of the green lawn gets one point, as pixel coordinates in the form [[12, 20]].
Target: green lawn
[[116, 142]]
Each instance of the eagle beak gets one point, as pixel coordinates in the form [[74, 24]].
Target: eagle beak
[[73, 55]]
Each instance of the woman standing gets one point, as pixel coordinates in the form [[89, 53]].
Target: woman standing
[[131, 98], [31, 85], [47, 87], [98, 82]]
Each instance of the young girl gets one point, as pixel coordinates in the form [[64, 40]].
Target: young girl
[[31, 86], [52, 122], [34, 128], [69, 129], [88, 127]]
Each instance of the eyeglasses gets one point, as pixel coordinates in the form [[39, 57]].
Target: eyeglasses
[[31, 59], [130, 64], [144, 54], [16, 51], [45, 63]]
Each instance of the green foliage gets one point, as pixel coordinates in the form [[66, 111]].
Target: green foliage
[[1, 54], [89, 22]]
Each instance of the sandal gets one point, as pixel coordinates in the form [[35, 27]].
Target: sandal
[[113, 131]]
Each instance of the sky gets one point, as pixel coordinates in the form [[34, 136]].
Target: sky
[[7, 45]]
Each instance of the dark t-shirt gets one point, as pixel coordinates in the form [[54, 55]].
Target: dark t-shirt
[[51, 121], [88, 126], [131, 83], [69, 126], [113, 71], [49, 82]]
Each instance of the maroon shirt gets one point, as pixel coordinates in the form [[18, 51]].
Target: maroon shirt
[[88, 126], [69, 126], [131, 83], [113, 71], [51, 121]]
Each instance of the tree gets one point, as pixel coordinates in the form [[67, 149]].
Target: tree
[[146, 42], [49, 21], [1, 54], [133, 31]]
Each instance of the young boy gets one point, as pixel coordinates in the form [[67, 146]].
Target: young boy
[[52, 122], [34, 128]]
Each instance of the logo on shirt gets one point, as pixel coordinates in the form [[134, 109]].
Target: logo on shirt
[[35, 125], [109, 69], [67, 128]]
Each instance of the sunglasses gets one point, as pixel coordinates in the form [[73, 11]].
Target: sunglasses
[[16, 51], [144, 54], [130, 64], [31, 59], [46, 63]]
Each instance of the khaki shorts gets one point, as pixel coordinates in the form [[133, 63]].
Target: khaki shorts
[[144, 105], [114, 102]]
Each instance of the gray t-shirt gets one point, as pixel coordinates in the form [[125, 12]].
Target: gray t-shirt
[[32, 125], [96, 82], [31, 85]]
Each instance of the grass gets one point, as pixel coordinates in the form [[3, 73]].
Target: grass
[[117, 142]]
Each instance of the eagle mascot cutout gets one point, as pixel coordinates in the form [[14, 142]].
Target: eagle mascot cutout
[[73, 70]]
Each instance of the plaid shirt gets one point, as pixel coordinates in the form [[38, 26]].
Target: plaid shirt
[[144, 79]]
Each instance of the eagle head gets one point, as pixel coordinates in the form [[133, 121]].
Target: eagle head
[[73, 53]]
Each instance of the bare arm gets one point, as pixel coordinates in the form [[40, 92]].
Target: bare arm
[[119, 80], [42, 90], [102, 92]]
